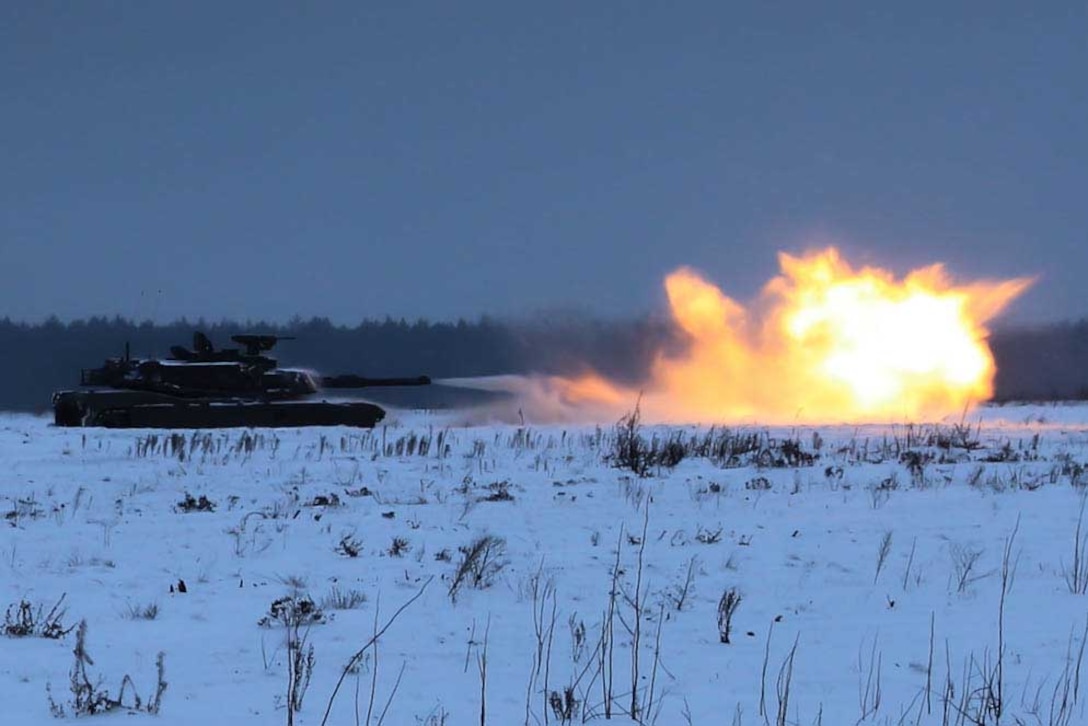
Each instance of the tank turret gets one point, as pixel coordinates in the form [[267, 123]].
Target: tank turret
[[203, 387]]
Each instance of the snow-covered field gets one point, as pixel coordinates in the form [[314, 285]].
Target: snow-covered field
[[868, 561]]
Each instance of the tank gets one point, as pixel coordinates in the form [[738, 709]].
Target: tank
[[204, 387]]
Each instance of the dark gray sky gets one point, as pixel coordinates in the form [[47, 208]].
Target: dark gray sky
[[437, 159]]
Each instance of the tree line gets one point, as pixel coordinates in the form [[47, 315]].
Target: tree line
[[1040, 363], [37, 359]]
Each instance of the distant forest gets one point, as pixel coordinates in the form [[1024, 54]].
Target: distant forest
[[1048, 362], [36, 360]]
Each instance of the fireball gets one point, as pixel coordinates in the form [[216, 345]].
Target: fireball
[[824, 342]]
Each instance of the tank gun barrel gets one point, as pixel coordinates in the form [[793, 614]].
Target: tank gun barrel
[[353, 381]]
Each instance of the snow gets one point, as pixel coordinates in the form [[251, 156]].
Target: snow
[[93, 515]]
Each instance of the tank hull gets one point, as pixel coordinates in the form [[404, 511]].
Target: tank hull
[[130, 409]]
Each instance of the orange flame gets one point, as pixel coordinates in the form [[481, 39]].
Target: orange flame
[[824, 343]]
